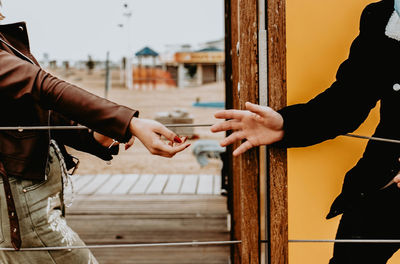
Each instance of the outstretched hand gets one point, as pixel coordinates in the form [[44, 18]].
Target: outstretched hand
[[258, 125], [150, 133]]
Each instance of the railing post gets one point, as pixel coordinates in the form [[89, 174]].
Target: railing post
[[277, 158], [244, 199], [243, 51]]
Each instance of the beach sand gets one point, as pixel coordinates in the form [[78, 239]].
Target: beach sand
[[137, 159]]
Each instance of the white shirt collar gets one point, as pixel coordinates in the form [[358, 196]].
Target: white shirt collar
[[393, 27]]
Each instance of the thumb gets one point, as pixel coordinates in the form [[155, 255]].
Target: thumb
[[397, 178], [130, 143], [167, 133]]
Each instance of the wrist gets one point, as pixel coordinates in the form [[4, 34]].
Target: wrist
[[133, 126]]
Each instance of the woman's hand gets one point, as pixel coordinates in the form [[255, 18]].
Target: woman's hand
[[149, 132], [397, 180], [258, 125]]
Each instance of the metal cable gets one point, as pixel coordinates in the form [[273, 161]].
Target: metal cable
[[359, 241], [176, 244], [205, 243], [374, 138], [22, 128]]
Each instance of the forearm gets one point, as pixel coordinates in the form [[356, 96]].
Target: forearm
[[19, 78]]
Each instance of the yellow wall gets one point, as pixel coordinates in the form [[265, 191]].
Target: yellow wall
[[319, 34]]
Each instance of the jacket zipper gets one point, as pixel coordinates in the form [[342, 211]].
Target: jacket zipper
[[19, 52]]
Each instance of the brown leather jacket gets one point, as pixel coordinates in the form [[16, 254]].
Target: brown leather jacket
[[29, 96]]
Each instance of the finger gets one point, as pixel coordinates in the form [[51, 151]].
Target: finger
[[130, 143], [258, 109], [180, 148], [168, 134], [161, 154], [236, 136], [397, 179], [171, 151], [226, 125], [230, 114], [242, 148]]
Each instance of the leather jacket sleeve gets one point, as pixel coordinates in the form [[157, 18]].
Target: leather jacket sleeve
[[20, 78], [81, 139]]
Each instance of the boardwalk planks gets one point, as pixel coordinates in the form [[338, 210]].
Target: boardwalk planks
[[174, 184], [125, 219], [109, 213]]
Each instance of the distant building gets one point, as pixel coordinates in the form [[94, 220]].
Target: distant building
[[148, 72], [219, 44], [196, 67]]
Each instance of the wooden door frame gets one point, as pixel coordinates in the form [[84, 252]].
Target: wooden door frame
[[259, 173]]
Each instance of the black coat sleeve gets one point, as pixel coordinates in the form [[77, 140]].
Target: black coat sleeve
[[346, 104]]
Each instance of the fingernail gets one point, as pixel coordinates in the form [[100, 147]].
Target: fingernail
[[177, 139]]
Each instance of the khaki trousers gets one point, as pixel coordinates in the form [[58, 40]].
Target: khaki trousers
[[39, 210]]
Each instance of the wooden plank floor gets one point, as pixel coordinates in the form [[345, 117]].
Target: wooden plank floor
[[147, 184], [119, 209]]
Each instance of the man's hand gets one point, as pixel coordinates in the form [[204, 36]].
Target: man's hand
[[258, 125], [149, 132]]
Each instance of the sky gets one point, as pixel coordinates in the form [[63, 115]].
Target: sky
[[74, 29]]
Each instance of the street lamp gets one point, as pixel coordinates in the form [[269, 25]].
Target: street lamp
[[128, 66]]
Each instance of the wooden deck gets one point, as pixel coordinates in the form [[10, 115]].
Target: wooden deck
[[126, 184], [119, 209]]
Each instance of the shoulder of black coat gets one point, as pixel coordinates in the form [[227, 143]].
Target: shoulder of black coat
[[375, 17]]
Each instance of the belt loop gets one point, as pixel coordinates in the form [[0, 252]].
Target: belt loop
[[12, 212]]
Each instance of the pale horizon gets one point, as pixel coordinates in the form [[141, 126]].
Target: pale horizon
[[72, 30]]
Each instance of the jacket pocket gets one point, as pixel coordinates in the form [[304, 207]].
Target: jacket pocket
[[33, 185]]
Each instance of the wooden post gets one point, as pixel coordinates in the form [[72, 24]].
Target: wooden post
[[232, 101], [244, 198], [277, 158], [249, 170], [242, 29]]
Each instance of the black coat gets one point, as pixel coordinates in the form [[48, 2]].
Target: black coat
[[366, 77]]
